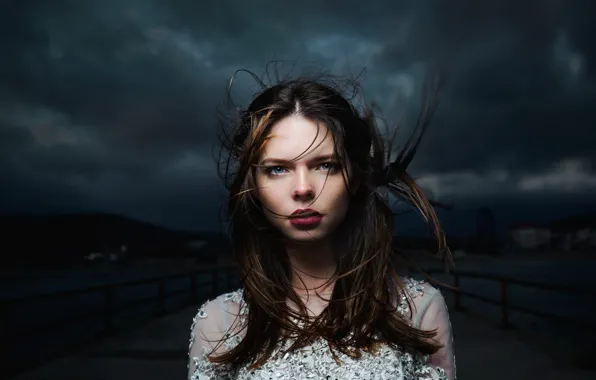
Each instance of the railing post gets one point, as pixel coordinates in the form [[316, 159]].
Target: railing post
[[457, 305], [161, 297], [108, 323], [505, 324]]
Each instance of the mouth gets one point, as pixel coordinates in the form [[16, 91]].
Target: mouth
[[306, 219], [305, 213]]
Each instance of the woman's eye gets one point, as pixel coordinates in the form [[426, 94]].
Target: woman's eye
[[329, 166], [275, 170]]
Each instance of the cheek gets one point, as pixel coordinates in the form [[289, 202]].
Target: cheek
[[269, 198]]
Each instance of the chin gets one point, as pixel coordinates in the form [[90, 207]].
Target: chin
[[307, 236]]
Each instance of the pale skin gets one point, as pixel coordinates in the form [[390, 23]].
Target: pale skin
[[314, 180]]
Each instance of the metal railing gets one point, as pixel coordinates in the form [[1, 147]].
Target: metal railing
[[218, 279], [504, 303]]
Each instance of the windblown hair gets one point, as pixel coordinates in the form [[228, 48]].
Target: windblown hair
[[361, 313]]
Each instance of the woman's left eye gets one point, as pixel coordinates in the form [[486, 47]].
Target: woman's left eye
[[329, 166]]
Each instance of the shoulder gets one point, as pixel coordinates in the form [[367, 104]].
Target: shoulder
[[213, 331], [216, 319], [223, 302], [417, 298], [221, 308], [418, 291]]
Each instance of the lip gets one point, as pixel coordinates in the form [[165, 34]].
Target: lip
[[300, 213], [305, 218]]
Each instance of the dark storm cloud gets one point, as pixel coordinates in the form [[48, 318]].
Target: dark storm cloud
[[104, 102], [112, 104], [114, 74], [516, 119], [511, 98]]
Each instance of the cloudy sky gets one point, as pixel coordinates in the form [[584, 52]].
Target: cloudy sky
[[111, 105]]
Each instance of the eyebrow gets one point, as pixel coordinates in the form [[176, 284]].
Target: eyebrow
[[273, 160]]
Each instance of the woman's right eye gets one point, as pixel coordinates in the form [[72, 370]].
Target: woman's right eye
[[275, 170]]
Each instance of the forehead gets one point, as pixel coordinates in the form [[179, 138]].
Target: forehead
[[294, 135]]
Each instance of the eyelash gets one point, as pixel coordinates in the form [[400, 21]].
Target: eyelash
[[269, 169]]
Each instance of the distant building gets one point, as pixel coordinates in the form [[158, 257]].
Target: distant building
[[525, 236], [94, 256], [108, 255], [576, 233]]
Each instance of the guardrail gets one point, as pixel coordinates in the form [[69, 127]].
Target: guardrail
[[216, 279], [504, 300]]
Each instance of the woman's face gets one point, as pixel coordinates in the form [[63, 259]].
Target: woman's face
[[290, 180]]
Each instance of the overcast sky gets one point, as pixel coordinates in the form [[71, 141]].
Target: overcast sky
[[111, 105]]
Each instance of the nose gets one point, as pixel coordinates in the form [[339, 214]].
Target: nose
[[303, 189]]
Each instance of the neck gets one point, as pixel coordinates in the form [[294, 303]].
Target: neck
[[313, 266]]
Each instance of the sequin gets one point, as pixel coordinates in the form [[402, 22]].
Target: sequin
[[316, 361]]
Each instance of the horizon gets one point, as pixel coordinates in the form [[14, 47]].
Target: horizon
[[416, 229]]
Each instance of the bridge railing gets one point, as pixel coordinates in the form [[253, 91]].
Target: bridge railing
[[504, 299], [207, 283], [16, 332]]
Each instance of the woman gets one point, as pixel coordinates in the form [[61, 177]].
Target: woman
[[312, 233]]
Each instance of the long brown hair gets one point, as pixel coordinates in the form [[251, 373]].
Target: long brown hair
[[362, 309]]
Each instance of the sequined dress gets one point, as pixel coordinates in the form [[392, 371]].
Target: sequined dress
[[217, 320]]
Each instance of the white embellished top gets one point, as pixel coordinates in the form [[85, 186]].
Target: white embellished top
[[222, 318]]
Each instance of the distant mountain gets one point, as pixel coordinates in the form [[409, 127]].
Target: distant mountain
[[54, 239], [104, 226]]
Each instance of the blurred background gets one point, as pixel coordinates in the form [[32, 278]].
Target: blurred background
[[108, 135]]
